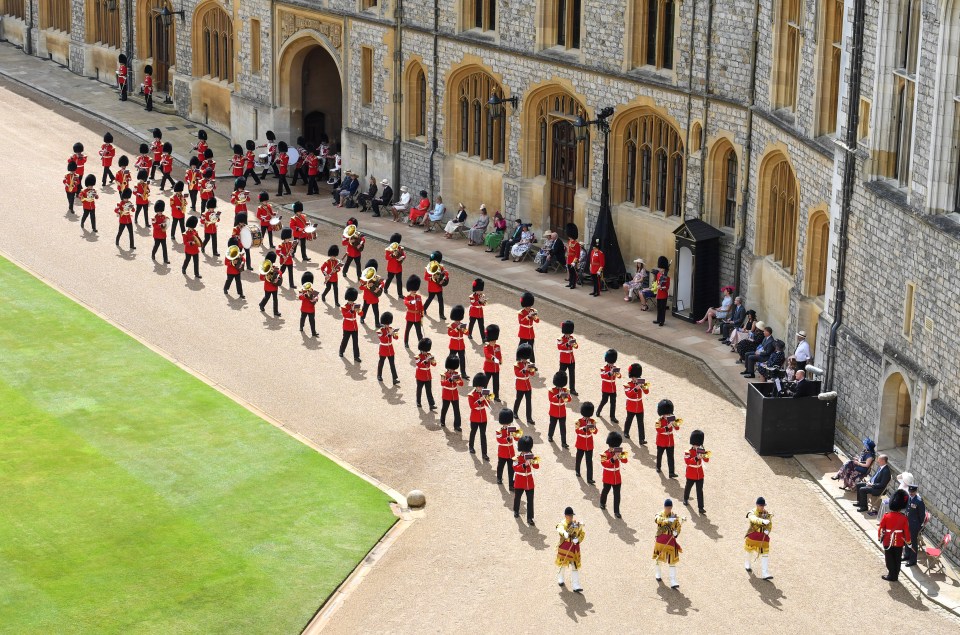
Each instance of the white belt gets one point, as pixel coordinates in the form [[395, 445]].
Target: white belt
[[634, 399], [611, 469], [454, 338]]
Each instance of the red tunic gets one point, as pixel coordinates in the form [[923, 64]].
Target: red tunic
[[142, 192], [125, 210], [434, 287], [349, 311], [476, 305], [573, 251], [597, 260], [122, 75], [71, 182], [694, 461], [450, 380], [264, 214], [608, 379], [107, 152], [565, 345], [236, 165], [209, 220], [492, 357], [231, 269], [239, 200], [159, 232], [558, 402], [894, 530], [386, 336], [147, 84], [81, 160], [208, 164], [369, 297], [192, 178], [156, 147], [177, 202], [166, 163], [207, 188], [329, 269], [353, 252], [611, 461], [478, 406], [523, 373], [251, 160], [665, 431], [456, 331], [313, 164], [123, 179], [268, 286], [527, 318], [88, 198], [283, 159], [201, 148], [393, 265], [634, 392], [523, 472], [143, 162], [306, 304], [297, 224], [663, 286], [423, 362], [191, 245], [505, 440], [285, 253], [585, 429], [414, 304]]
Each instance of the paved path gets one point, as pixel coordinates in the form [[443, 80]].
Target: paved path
[[467, 563]]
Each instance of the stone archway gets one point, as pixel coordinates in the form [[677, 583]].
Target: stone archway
[[896, 413], [311, 90]]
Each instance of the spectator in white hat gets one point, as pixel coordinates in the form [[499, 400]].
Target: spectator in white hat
[[802, 355]]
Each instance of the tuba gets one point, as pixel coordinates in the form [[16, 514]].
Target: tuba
[[310, 292], [371, 281], [233, 255], [265, 267], [435, 271]]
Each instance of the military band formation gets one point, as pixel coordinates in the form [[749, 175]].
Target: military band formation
[[515, 452]]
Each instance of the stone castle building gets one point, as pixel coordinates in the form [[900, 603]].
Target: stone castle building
[[732, 112]]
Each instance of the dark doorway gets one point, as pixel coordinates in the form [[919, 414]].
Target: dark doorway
[[563, 175], [315, 127], [161, 45], [322, 98]]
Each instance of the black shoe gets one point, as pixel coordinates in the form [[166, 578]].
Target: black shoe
[[617, 515], [687, 503], [614, 420], [380, 379], [702, 512], [486, 458], [472, 451], [499, 481], [672, 475], [458, 429], [550, 439], [750, 376], [642, 441], [531, 523], [356, 360], [565, 446], [516, 514], [578, 474], [591, 482]]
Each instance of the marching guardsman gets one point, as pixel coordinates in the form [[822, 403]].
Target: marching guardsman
[[156, 152], [492, 358], [201, 147], [208, 189], [597, 262], [88, 200], [159, 223], [166, 165], [524, 370], [424, 361], [264, 214], [695, 457], [634, 390], [271, 146], [386, 334], [916, 516], [757, 540], [477, 301], [609, 375], [662, 283], [178, 205], [395, 256], [414, 303], [506, 436], [456, 331], [237, 162], [559, 397], [585, 428], [124, 211], [666, 425], [122, 76], [450, 381], [523, 466], [71, 185], [566, 344], [610, 460], [79, 158], [123, 174], [527, 317], [349, 311], [250, 161], [240, 196], [312, 165], [142, 192], [239, 222], [271, 276], [331, 276], [235, 262], [573, 255], [285, 252], [568, 551], [354, 241], [210, 219], [308, 297], [479, 400], [372, 286], [143, 160], [208, 163], [437, 278], [193, 177], [666, 549], [298, 223], [148, 87], [107, 152], [191, 247], [299, 167], [282, 166]]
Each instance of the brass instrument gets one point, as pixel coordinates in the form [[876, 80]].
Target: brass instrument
[[233, 255], [528, 366], [312, 294], [354, 237], [271, 272], [336, 267], [563, 394], [371, 281], [397, 251], [430, 359], [531, 458], [702, 452], [126, 209], [488, 395], [435, 270], [394, 333]]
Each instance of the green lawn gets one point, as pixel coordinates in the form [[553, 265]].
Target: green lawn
[[135, 498]]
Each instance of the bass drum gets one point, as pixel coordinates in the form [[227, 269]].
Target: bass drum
[[251, 236], [294, 155]]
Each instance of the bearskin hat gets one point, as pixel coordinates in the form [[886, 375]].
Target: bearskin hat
[[123, 161], [614, 439], [566, 327], [353, 221], [240, 183], [663, 263], [282, 146], [610, 356], [587, 409], [202, 134], [371, 263], [144, 148], [437, 255], [899, 500], [351, 294], [233, 241], [271, 136], [425, 345], [159, 206], [142, 175], [306, 277], [108, 138], [193, 221], [208, 153], [413, 283], [297, 207], [194, 162], [395, 238], [286, 233], [493, 333], [524, 351], [560, 379], [525, 443], [157, 133], [90, 180], [71, 166], [122, 58], [167, 147], [333, 251], [240, 219], [264, 196], [78, 147], [451, 363], [696, 437], [526, 299], [635, 371], [505, 417], [386, 319], [457, 313], [212, 203], [572, 231], [478, 284], [237, 148], [480, 380], [665, 407], [126, 193], [251, 145]]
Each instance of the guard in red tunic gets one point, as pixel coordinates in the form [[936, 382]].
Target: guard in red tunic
[[477, 301], [192, 178], [271, 276], [354, 242], [159, 224], [666, 425], [237, 161], [88, 200], [298, 223], [424, 361], [695, 457], [574, 254], [597, 262], [123, 174], [285, 251], [492, 358], [71, 185], [122, 74], [178, 207], [506, 436], [479, 400], [79, 158], [527, 317], [566, 345], [239, 224], [142, 192], [456, 331], [414, 303], [349, 311], [201, 147], [208, 189], [585, 428], [210, 218], [312, 165], [524, 370], [523, 466], [208, 163], [331, 275], [166, 165], [450, 381], [610, 460], [124, 212], [282, 166], [308, 297], [386, 335], [240, 196], [250, 161], [395, 256], [235, 262], [634, 390], [662, 282], [191, 247], [609, 375], [264, 214], [148, 87], [156, 152], [144, 160], [372, 286], [107, 152], [437, 278], [559, 397]]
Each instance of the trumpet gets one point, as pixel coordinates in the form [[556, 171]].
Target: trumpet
[[563, 394], [531, 458], [482, 298], [312, 294], [430, 359], [701, 451], [394, 333], [452, 376], [397, 252], [528, 366]]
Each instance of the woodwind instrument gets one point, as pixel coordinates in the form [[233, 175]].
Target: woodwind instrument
[[334, 268]]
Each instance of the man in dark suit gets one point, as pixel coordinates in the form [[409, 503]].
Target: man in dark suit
[[508, 243], [803, 387], [875, 486], [386, 197], [760, 354], [735, 320]]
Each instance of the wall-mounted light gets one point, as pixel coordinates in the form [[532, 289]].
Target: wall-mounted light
[[495, 105]]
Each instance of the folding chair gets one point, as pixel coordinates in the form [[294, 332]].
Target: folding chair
[[935, 555]]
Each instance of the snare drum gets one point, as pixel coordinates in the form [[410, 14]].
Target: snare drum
[[311, 231], [263, 160], [251, 236], [276, 224]]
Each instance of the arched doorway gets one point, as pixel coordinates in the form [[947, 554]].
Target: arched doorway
[[311, 89], [895, 418], [563, 175]]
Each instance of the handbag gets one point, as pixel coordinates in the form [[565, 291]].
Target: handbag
[[716, 330]]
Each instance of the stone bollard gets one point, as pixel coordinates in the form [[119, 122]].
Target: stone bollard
[[416, 499]]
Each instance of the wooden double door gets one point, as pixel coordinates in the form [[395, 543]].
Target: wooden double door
[[161, 45], [563, 174]]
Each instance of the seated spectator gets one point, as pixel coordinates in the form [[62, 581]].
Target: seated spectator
[[733, 320], [744, 332], [347, 189], [854, 470], [386, 197], [760, 354], [771, 368], [508, 243], [640, 281], [435, 217], [719, 313], [802, 354], [365, 198], [400, 209], [527, 239], [456, 222], [875, 486], [556, 254], [803, 387], [790, 370], [492, 241], [479, 229], [419, 213], [541, 256]]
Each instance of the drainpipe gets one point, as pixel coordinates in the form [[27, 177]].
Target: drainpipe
[[706, 106], [28, 49], [397, 91], [693, 27], [849, 149], [128, 18], [436, 72]]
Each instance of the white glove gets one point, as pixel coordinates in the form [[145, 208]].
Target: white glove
[[566, 535], [676, 533], [576, 540], [765, 521]]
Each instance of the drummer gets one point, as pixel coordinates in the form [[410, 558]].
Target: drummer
[[301, 229], [265, 214], [285, 156], [244, 239]]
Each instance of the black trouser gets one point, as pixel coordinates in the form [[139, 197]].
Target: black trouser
[[563, 429], [726, 328], [173, 227], [521, 395], [376, 313], [336, 293], [430, 296], [166, 177], [572, 276], [92, 215], [231, 277], [393, 371], [210, 238], [596, 282], [669, 452], [689, 486], [347, 336], [893, 555], [616, 496], [910, 553], [196, 264], [71, 196], [482, 428], [462, 356], [533, 353], [626, 427], [495, 379], [501, 462], [160, 243], [456, 413], [276, 302], [355, 261], [390, 278], [276, 171], [479, 322], [145, 209], [299, 175], [193, 200], [107, 172], [363, 200], [589, 456], [752, 360], [149, 99], [303, 249], [571, 371], [312, 187], [153, 170], [203, 204], [123, 91], [661, 310], [267, 234], [406, 333], [313, 321], [428, 385], [376, 205], [129, 228], [287, 269], [505, 246], [517, 495], [250, 174], [612, 398], [863, 491], [283, 185]]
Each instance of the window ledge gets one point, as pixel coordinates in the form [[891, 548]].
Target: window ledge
[[561, 53], [476, 33], [488, 163], [651, 72]]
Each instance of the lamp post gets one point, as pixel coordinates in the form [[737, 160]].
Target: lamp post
[[166, 19], [582, 128], [495, 105]]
